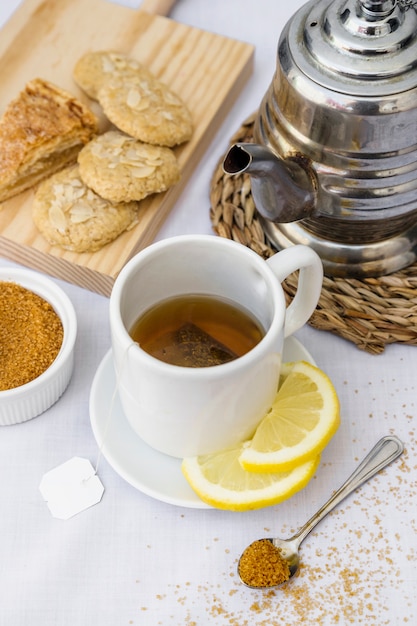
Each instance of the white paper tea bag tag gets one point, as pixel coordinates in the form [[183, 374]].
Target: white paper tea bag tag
[[71, 488]]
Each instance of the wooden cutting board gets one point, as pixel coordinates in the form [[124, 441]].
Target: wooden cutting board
[[45, 38]]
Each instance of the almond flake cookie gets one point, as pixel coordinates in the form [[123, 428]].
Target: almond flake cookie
[[121, 169], [146, 109], [94, 69], [72, 216]]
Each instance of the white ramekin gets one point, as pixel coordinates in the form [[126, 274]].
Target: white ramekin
[[27, 401]]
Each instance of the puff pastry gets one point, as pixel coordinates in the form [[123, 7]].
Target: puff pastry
[[41, 132]]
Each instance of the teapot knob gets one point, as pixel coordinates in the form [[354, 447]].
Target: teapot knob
[[376, 8]]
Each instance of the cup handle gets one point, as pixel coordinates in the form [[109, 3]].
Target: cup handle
[[310, 281]]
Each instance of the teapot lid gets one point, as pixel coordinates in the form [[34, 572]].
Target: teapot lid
[[357, 47]]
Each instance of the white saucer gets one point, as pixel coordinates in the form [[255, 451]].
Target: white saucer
[[149, 471]]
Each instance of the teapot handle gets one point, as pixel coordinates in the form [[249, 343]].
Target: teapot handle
[[305, 259]]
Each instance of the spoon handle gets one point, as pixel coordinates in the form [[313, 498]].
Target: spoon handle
[[382, 454]]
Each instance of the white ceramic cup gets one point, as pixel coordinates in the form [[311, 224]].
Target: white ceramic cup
[[183, 411]]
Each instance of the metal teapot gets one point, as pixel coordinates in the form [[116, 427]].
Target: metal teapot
[[334, 163]]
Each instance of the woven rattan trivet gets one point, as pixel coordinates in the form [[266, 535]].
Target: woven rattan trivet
[[371, 312]]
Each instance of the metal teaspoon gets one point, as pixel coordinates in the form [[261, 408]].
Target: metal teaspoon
[[384, 452]]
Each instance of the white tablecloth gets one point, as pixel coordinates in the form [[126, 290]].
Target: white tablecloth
[[133, 559]]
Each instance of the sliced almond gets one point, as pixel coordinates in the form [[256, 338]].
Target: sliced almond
[[77, 192], [107, 65], [115, 139], [142, 172], [154, 161], [58, 189], [96, 149], [135, 100], [81, 212], [133, 154], [91, 196], [57, 218], [171, 98], [144, 85], [145, 154], [123, 63], [68, 193]]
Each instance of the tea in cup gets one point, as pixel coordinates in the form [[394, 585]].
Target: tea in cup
[[198, 324], [195, 330]]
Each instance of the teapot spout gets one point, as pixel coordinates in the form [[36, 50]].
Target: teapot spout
[[283, 190]]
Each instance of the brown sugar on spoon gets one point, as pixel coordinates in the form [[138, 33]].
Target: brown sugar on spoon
[[262, 565]]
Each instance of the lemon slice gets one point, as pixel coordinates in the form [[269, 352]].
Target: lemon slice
[[220, 480], [301, 422]]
